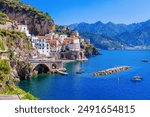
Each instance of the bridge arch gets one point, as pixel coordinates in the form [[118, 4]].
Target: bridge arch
[[41, 68]]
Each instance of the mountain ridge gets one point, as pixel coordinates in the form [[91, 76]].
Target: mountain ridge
[[128, 36]]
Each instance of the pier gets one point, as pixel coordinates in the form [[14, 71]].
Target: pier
[[111, 71]]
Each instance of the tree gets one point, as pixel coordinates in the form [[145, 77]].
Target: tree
[[47, 13]]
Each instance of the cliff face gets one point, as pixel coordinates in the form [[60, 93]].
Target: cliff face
[[18, 49], [38, 22]]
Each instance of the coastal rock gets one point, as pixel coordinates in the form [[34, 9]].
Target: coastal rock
[[91, 52], [23, 70], [14, 75]]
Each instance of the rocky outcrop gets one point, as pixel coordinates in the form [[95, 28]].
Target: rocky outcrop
[[38, 23], [23, 70], [91, 51]]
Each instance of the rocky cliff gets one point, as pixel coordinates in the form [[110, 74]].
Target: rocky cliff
[[39, 23], [16, 48]]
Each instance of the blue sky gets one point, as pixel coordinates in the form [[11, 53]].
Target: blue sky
[[66, 12]]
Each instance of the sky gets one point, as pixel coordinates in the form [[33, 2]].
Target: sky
[[65, 12]]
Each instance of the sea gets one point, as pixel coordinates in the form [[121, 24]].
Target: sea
[[118, 86]]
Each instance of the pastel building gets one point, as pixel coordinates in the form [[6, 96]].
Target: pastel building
[[55, 45], [50, 35], [74, 45], [62, 37]]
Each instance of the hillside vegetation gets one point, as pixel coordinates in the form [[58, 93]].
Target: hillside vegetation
[[3, 18], [15, 39]]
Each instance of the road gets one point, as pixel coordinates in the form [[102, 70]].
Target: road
[[9, 97]]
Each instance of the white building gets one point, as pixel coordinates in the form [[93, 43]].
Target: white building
[[24, 29], [34, 40], [82, 40], [43, 47], [56, 36]]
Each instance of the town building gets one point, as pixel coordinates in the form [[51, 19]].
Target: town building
[[42, 46], [62, 37], [33, 41], [58, 46], [24, 29], [50, 35], [73, 44]]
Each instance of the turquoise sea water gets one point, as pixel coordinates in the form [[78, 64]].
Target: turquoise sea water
[[86, 87]]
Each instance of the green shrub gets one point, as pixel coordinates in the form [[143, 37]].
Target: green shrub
[[15, 39], [2, 21], [12, 89], [2, 76], [11, 55], [4, 66], [3, 18], [29, 97], [3, 15], [2, 45], [4, 70]]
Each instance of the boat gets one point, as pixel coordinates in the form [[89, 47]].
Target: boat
[[80, 72], [82, 60], [62, 73], [137, 78], [144, 60]]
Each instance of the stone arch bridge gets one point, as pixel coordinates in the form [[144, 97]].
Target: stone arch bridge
[[46, 65]]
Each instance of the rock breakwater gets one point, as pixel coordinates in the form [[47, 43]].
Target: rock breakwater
[[111, 70]]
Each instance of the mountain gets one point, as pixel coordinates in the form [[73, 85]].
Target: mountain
[[100, 28], [116, 36], [39, 23]]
